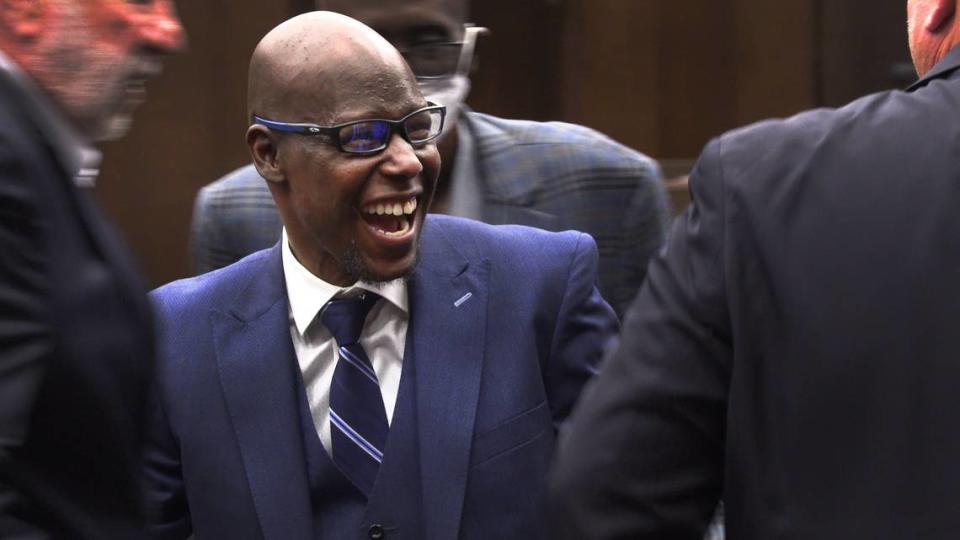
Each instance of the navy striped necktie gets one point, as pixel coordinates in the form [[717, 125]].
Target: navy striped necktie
[[358, 418]]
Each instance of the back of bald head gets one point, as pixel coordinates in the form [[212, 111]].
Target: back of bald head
[[308, 55]]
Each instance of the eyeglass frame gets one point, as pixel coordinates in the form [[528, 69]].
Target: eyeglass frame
[[396, 126], [465, 61]]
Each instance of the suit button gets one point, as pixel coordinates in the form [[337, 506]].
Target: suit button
[[376, 532]]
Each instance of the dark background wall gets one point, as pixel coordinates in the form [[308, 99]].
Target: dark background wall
[[662, 77]]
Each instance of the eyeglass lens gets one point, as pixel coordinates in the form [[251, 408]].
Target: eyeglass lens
[[373, 135]]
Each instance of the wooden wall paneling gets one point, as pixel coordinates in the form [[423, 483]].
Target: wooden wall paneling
[[610, 70], [190, 131], [863, 49], [517, 65], [775, 58], [697, 84]]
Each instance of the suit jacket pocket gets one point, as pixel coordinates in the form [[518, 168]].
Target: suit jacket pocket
[[512, 433]]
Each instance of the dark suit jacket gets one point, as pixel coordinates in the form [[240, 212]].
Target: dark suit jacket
[[75, 349], [795, 349], [551, 175], [496, 376]]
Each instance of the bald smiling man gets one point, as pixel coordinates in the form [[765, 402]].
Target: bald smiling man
[[380, 372], [552, 175]]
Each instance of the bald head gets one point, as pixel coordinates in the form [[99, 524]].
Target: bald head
[[302, 67]]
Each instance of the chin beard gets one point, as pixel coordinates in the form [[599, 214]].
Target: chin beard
[[353, 265]]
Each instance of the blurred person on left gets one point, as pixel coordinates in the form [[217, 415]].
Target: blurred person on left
[[76, 347]]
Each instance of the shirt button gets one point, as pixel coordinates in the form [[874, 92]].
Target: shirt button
[[376, 532]]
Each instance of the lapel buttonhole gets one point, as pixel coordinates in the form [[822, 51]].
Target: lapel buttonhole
[[462, 299]]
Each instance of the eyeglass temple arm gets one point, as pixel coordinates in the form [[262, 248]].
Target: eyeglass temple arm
[[284, 126], [469, 43]]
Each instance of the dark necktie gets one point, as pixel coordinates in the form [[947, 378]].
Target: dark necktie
[[358, 419]]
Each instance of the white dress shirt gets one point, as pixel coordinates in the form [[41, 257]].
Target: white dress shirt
[[383, 338]]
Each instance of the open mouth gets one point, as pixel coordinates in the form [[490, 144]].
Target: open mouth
[[391, 218]]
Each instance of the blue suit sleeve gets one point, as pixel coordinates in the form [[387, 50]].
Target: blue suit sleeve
[[585, 325], [167, 511], [644, 455]]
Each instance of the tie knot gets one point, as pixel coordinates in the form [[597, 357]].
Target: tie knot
[[344, 317]]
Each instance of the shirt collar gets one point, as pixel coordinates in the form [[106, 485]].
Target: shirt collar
[[947, 64], [307, 293], [77, 156]]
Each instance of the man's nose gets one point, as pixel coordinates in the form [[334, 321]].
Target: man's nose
[[161, 28], [402, 160]]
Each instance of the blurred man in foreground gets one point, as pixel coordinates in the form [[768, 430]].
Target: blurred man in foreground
[[795, 348], [332, 386], [553, 175], [75, 339]]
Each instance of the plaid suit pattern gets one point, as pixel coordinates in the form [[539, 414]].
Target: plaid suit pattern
[[551, 175], [232, 218], [559, 176]]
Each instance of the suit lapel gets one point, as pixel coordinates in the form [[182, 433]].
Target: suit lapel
[[259, 376], [448, 312]]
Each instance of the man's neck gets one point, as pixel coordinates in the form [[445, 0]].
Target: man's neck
[[73, 150]]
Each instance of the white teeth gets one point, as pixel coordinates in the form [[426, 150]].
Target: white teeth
[[392, 209], [409, 206]]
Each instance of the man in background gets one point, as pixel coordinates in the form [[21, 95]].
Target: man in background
[[554, 176], [795, 347], [76, 347]]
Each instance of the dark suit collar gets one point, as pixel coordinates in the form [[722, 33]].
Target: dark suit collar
[[944, 68], [69, 147]]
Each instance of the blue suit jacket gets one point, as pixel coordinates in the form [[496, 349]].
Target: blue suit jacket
[[551, 175], [495, 377]]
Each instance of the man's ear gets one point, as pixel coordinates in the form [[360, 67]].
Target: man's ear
[[23, 19], [941, 14], [265, 153]]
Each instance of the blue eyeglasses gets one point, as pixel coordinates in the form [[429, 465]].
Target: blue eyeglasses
[[371, 136]]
